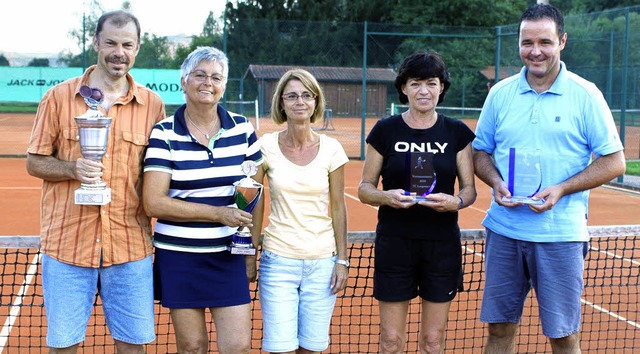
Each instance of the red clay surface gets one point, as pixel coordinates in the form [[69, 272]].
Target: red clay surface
[[20, 198]]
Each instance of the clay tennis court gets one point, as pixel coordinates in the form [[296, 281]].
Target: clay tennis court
[[355, 318]]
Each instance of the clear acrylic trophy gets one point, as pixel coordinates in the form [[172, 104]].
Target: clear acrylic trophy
[[422, 175], [247, 195], [94, 134], [524, 178]]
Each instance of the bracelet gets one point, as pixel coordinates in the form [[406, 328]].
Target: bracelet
[[461, 204]]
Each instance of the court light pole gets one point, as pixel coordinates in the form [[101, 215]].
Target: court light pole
[[224, 29], [84, 46]]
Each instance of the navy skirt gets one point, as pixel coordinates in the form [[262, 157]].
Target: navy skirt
[[200, 280]]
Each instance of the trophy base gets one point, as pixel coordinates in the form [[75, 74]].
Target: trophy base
[[417, 198], [422, 199], [242, 244], [242, 250], [93, 196], [523, 200]]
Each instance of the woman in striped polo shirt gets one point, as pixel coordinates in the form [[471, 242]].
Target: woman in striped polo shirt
[[192, 161]]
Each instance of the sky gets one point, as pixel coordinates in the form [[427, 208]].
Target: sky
[[42, 26]]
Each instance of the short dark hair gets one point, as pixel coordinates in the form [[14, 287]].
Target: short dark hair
[[421, 66], [119, 18], [541, 11]]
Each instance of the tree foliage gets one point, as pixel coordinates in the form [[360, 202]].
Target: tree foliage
[[154, 52], [573, 7], [39, 62], [4, 61], [330, 33], [83, 35], [211, 35], [477, 13], [258, 28], [315, 32]]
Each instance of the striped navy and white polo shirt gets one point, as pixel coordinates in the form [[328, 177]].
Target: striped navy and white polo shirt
[[200, 174]]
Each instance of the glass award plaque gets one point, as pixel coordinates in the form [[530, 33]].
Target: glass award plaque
[[422, 175], [524, 177]]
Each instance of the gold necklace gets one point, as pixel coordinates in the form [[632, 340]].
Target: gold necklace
[[206, 135]]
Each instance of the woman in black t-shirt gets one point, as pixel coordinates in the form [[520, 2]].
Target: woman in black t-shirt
[[419, 154]]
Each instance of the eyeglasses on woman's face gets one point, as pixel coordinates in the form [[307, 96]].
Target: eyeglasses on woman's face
[[293, 97], [201, 76]]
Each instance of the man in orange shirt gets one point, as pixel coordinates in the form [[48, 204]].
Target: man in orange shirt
[[103, 247]]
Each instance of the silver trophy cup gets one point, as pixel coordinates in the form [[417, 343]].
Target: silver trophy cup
[[247, 194], [94, 133]]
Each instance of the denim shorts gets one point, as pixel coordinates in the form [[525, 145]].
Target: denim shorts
[[553, 269], [296, 302], [126, 291]]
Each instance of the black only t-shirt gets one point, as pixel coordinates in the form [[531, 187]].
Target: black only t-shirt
[[395, 140]]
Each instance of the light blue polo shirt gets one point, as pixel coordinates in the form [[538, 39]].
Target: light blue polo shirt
[[566, 124]]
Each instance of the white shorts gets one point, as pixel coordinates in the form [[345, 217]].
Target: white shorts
[[296, 302]]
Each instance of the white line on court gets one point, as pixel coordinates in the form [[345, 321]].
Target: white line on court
[[352, 197], [484, 211], [358, 199], [471, 250], [588, 303], [596, 307], [623, 190], [612, 314], [17, 303], [624, 259]]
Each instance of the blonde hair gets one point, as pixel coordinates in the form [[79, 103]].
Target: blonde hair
[[309, 82]]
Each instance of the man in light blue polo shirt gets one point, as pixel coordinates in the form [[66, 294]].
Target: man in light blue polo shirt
[[556, 120]]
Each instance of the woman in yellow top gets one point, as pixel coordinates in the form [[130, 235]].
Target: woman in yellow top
[[304, 263]]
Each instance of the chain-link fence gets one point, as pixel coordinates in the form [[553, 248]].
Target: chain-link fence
[[356, 63], [604, 48]]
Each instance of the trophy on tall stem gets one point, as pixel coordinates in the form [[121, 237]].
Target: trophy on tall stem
[[94, 133], [247, 194]]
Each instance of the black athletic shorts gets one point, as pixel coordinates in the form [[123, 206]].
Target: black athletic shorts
[[406, 268]]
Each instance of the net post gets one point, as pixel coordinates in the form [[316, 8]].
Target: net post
[[255, 103]]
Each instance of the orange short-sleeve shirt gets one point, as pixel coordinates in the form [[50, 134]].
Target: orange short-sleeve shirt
[[86, 235]]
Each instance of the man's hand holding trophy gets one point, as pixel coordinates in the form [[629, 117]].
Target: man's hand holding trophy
[[94, 133]]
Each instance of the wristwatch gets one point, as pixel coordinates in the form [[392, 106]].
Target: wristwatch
[[344, 262]]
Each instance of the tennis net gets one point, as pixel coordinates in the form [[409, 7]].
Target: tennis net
[[610, 313]]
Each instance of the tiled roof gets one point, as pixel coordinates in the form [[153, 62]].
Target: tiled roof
[[325, 73], [505, 71]]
